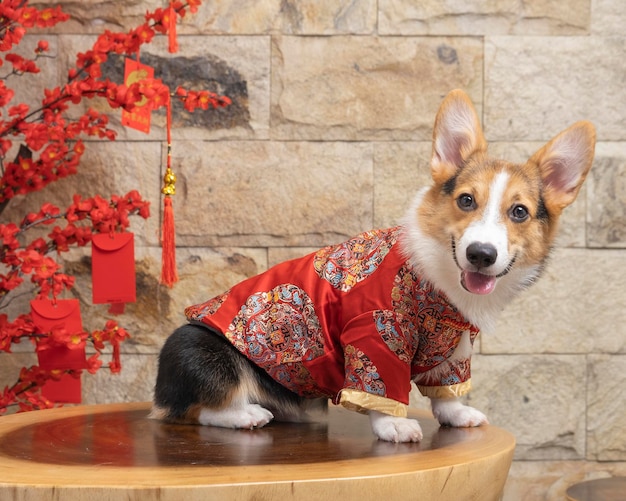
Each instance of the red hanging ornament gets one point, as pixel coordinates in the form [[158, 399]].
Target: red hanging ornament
[[113, 270], [139, 117], [169, 273], [171, 33], [63, 314]]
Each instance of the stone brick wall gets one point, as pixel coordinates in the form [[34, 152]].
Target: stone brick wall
[[329, 136]]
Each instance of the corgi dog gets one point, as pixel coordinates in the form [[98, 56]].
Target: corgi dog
[[357, 322]]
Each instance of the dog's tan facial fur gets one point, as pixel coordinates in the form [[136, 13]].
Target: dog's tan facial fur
[[546, 184], [441, 230], [530, 240]]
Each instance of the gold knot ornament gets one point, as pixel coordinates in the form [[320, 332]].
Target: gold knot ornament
[[169, 182]]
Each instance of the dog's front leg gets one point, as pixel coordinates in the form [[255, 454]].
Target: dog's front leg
[[451, 412], [395, 429]]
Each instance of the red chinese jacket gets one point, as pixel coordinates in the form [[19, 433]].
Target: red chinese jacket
[[352, 322]]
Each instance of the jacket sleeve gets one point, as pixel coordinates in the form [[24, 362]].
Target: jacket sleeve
[[363, 402], [377, 375], [451, 378]]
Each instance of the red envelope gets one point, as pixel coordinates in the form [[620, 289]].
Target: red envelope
[[65, 313], [67, 390], [46, 315], [113, 268], [139, 117]]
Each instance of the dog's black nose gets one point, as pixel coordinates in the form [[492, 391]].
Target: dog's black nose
[[481, 255]]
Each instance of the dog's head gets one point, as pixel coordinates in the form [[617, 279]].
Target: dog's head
[[493, 221]]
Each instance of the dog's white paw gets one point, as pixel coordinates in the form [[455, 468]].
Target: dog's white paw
[[451, 412], [247, 416], [395, 429]]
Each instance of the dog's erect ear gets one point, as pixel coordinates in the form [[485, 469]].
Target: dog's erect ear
[[456, 136], [564, 163]]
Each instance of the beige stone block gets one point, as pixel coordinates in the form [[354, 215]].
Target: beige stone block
[[477, 17], [606, 209], [577, 306], [549, 480], [276, 255], [368, 88], [135, 383], [538, 398], [29, 87], [273, 194], [304, 17], [95, 16], [400, 170], [248, 58], [608, 18], [247, 17], [606, 408], [536, 86]]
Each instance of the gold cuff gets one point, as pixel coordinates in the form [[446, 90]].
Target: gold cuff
[[452, 391], [361, 401]]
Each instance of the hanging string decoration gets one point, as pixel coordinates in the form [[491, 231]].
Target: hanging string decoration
[[169, 272]]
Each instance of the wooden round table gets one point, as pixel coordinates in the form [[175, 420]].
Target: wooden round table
[[600, 489], [110, 452]]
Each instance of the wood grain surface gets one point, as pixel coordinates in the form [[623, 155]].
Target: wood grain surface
[[107, 452]]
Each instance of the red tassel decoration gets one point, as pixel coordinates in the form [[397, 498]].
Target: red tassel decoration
[[171, 32], [169, 273]]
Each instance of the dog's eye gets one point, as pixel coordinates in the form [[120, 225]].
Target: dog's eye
[[466, 202], [519, 214]]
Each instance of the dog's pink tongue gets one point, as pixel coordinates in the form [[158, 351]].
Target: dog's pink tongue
[[477, 283]]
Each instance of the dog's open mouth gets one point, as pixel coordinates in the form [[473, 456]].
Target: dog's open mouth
[[477, 283]]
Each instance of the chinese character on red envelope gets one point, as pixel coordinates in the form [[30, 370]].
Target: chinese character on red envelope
[[139, 117]]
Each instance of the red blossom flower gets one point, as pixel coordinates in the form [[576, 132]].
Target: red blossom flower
[[94, 363], [51, 16], [45, 269], [144, 33], [8, 234], [19, 111], [193, 5], [21, 64], [6, 94], [10, 282], [31, 259], [42, 46], [59, 336], [28, 16]]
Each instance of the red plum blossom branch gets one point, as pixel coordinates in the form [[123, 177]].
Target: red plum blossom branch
[[43, 143]]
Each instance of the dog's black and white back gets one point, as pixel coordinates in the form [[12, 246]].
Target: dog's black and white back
[[203, 379]]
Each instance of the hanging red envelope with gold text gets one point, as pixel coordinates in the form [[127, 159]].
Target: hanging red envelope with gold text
[[113, 268], [139, 117], [62, 314]]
